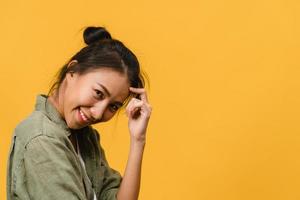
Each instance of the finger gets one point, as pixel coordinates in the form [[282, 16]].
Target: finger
[[136, 109], [131, 104], [137, 90], [141, 108], [141, 91], [146, 110]]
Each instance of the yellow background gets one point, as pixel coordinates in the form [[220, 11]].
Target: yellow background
[[224, 88]]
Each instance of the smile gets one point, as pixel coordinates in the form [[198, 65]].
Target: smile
[[83, 116]]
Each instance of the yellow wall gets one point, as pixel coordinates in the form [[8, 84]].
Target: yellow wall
[[224, 88]]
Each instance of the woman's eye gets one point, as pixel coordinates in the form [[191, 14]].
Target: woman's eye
[[113, 108], [99, 94]]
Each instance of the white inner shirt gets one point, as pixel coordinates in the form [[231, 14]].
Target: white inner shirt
[[82, 162]]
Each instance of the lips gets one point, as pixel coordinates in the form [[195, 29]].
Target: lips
[[83, 117]]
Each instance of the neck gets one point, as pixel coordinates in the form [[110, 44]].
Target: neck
[[55, 101]]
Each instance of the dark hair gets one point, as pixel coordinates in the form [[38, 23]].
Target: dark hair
[[102, 51]]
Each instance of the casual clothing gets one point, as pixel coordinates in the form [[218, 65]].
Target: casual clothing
[[43, 163], [82, 162]]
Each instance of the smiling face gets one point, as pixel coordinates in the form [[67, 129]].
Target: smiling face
[[92, 97]]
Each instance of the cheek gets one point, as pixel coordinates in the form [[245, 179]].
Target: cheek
[[83, 98]]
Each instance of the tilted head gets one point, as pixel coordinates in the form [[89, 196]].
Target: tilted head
[[95, 82]]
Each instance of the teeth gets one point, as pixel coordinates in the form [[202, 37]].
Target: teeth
[[83, 116]]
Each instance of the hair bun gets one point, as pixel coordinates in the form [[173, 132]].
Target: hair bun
[[93, 34]]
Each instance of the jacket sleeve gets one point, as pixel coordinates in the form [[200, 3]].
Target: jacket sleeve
[[51, 170], [112, 178]]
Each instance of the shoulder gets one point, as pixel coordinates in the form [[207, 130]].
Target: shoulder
[[35, 125], [45, 149], [30, 127]]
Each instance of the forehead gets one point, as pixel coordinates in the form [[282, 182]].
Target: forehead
[[115, 82]]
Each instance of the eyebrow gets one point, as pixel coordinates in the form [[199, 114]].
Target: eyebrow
[[108, 93], [105, 89]]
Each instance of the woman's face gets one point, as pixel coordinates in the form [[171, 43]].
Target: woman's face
[[93, 97]]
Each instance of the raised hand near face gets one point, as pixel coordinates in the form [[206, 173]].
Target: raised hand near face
[[138, 112]]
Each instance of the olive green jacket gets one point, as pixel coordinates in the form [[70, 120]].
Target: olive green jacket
[[43, 163]]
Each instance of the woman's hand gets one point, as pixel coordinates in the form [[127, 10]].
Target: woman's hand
[[138, 112]]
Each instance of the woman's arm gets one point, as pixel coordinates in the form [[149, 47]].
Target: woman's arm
[[138, 112], [51, 170], [130, 185]]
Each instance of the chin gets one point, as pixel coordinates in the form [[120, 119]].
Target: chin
[[73, 125]]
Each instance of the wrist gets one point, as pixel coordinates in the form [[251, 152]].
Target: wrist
[[138, 143], [135, 138]]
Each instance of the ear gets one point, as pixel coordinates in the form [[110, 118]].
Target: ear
[[69, 76], [71, 73], [72, 62]]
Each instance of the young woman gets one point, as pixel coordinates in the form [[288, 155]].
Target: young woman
[[55, 152]]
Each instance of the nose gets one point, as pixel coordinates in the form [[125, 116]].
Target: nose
[[97, 110]]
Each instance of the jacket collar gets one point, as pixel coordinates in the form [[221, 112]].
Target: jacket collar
[[44, 105]]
